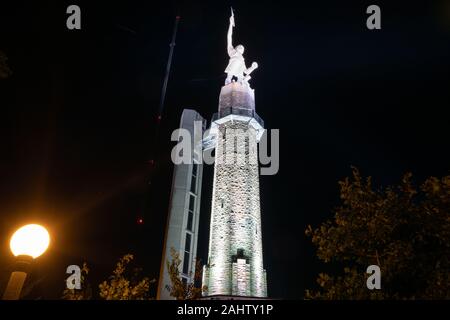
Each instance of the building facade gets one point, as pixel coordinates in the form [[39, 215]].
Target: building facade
[[184, 211]]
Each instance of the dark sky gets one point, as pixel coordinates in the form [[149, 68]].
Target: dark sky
[[78, 119]]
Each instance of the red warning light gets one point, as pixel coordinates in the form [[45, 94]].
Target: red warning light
[[140, 221]]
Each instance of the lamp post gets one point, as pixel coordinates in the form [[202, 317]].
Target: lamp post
[[27, 243]]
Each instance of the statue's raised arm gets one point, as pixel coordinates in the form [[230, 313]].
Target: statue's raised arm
[[230, 47]]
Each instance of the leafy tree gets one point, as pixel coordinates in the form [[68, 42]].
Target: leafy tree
[[85, 293], [119, 287], [403, 229], [5, 71], [179, 289]]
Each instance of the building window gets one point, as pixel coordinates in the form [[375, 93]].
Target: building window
[[191, 203], [187, 255], [194, 178], [190, 220], [187, 246], [186, 263]]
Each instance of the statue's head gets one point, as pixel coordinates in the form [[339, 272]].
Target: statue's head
[[240, 48]]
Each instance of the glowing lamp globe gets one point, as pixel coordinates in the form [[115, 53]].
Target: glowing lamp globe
[[30, 240]]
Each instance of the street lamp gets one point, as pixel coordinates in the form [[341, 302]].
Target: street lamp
[[27, 243]]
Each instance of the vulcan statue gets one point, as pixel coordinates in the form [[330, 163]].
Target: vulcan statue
[[236, 66]]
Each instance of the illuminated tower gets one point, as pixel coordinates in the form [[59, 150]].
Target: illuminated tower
[[235, 257]]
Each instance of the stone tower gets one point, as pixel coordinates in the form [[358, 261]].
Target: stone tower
[[235, 257]]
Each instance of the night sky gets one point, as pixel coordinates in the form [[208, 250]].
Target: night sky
[[78, 119]]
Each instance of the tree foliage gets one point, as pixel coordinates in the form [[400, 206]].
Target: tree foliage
[[123, 284], [120, 287], [179, 289], [403, 229]]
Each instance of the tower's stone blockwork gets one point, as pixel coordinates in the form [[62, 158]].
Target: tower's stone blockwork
[[235, 260]]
